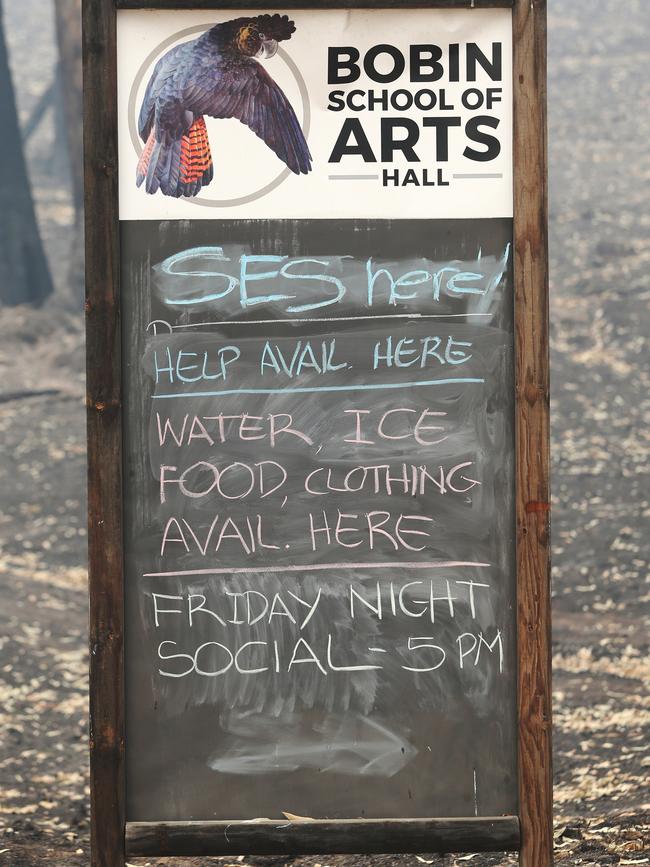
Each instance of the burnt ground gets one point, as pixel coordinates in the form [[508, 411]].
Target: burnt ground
[[600, 257]]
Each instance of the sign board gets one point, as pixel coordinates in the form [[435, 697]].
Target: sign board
[[318, 428]]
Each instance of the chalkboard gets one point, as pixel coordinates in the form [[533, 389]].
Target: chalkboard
[[319, 520], [318, 429]]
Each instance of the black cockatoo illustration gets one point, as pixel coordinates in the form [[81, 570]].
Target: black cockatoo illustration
[[216, 75]]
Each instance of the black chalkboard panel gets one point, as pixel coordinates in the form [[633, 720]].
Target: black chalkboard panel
[[319, 519]]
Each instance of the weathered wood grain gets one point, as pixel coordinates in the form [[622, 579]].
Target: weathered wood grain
[[370, 836], [532, 436], [104, 436]]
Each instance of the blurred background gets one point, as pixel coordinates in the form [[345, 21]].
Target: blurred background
[[599, 135]]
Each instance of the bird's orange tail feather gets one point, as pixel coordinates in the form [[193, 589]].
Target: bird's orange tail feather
[[143, 162], [178, 168], [196, 160]]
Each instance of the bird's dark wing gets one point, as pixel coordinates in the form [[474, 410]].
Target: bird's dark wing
[[147, 111], [247, 92], [148, 107], [162, 79]]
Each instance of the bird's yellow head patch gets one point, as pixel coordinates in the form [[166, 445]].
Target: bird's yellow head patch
[[249, 40]]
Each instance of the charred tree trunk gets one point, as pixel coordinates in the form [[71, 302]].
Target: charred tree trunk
[[24, 273], [68, 30]]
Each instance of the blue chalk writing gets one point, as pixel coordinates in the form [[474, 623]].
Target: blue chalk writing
[[326, 278], [245, 277], [316, 388]]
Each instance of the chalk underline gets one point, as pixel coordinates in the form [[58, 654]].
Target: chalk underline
[[223, 322], [316, 388], [316, 567]]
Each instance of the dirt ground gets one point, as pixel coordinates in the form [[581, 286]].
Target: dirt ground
[[600, 256]]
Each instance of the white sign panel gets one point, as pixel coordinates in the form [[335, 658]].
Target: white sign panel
[[308, 114]]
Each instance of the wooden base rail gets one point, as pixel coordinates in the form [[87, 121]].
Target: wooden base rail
[[319, 836], [319, 4]]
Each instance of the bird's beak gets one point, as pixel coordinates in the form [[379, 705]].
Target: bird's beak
[[268, 49]]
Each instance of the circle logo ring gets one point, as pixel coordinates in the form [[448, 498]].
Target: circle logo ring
[[137, 145]]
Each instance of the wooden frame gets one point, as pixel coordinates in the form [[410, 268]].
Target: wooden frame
[[111, 837], [103, 353], [532, 434]]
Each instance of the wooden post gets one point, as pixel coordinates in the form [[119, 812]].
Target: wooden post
[[107, 791], [532, 436]]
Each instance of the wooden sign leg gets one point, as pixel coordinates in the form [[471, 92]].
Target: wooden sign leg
[[107, 791], [531, 360]]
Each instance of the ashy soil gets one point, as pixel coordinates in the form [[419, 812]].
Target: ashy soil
[[600, 257]]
